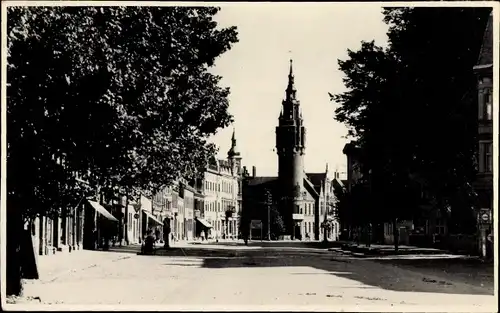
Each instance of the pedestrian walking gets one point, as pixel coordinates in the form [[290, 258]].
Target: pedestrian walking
[[157, 234], [202, 235]]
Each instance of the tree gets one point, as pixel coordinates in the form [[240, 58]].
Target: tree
[[439, 48], [277, 223], [425, 73], [121, 94]]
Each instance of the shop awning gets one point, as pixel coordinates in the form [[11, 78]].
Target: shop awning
[[204, 222], [102, 210], [151, 216]]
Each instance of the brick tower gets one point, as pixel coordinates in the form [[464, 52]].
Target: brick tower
[[290, 146]]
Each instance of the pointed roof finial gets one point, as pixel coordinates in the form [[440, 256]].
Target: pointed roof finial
[[234, 150], [290, 90], [326, 167]]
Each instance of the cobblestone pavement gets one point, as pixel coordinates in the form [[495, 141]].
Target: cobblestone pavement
[[225, 277]]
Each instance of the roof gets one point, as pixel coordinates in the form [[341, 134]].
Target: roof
[[338, 183], [260, 180], [313, 189], [486, 52], [316, 178]]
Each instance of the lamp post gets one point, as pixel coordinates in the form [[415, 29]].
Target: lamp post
[[217, 222], [325, 219], [269, 203]]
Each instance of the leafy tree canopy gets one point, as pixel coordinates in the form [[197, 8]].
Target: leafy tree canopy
[[122, 94], [411, 106]]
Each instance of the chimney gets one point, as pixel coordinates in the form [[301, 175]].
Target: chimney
[[254, 171]]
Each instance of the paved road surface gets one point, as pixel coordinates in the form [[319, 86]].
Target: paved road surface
[[225, 277]]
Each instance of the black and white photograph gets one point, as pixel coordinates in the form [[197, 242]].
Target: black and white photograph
[[235, 156]]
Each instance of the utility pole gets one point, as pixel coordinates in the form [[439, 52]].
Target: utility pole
[[325, 221], [126, 218], [216, 222], [269, 203]]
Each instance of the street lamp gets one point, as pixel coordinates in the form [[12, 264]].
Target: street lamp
[[269, 203]]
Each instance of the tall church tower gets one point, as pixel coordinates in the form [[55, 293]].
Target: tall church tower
[[234, 156], [290, 146]]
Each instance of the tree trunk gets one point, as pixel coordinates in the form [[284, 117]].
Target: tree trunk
[[367, 238], [15, 229], [358, 235], [126, 220], [395, 232]]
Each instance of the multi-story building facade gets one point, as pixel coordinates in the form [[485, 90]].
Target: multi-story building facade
[[484, 181], [222, 190], [187, 192]]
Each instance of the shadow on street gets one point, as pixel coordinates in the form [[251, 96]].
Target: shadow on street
[[419, 275]]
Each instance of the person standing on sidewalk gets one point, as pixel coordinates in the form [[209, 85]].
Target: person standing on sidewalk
[[157, 234]]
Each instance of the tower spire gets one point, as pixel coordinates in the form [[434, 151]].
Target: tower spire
[[233, 151], [290, 90]]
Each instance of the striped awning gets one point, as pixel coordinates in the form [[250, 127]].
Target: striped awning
[[151, 216], [102, 210], [204, 222]]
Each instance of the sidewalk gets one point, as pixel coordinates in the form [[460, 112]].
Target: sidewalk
[[385, 250], [52, 266]]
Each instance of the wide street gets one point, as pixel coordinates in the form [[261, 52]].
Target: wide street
[[291, 276]]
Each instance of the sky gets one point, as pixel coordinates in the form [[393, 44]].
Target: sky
[[256, 70]]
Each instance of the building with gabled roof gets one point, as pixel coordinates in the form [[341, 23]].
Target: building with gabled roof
[[299, 196], [484, 180]]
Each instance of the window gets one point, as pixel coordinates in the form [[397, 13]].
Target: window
[[440, 227], [488, 157], [488, 106]]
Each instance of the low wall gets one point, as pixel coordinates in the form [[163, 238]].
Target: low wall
[[458, 243]]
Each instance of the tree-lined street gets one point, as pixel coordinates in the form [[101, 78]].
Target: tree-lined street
[[288, 274], [111, 116]]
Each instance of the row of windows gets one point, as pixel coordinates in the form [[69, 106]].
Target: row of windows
[[308, 227], [213, 206], [308, 209], [224, 187], [219, 225]]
